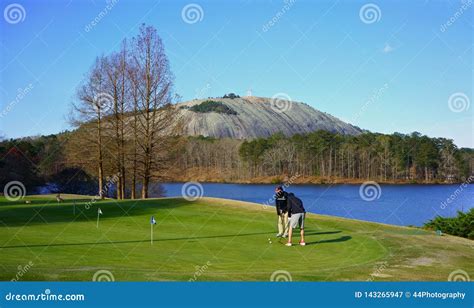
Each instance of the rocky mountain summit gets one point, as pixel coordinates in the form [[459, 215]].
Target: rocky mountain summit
[[251, 117]]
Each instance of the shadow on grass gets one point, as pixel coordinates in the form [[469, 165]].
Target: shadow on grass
[[335, 240], [320, 232], [41, 201], [19, 213], [137, 241], [193, 239]]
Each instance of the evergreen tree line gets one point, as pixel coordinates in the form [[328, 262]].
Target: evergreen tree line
[[69, 163], [369, 156]]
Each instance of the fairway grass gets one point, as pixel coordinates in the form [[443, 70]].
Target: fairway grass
[[210, 240]]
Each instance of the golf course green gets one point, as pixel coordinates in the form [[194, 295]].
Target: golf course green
[[209, 240]]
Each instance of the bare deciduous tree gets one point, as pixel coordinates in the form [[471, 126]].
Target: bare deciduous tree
[[90, 109], [153, 81], [118, 88]]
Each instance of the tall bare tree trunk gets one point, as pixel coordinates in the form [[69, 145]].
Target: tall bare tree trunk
[[89, 110], [99, 155]]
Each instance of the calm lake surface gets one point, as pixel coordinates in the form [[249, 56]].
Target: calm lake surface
[[397, 204]]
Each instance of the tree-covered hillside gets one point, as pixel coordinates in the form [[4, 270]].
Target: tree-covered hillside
[[65, 161]]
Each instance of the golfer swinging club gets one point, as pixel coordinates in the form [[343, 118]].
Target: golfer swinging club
[[281, 204]]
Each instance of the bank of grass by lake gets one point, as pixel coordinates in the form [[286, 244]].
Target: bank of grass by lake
[[211, 239]]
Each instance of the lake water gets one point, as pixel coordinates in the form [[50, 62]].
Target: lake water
[[396, 204]]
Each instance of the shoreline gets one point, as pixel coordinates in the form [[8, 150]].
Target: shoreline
[[419, 228], [229, 202], [303, 180]]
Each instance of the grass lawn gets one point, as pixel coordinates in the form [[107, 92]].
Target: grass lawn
[[208, 240]]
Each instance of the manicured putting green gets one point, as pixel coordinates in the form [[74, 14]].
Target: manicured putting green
[[209, 240]]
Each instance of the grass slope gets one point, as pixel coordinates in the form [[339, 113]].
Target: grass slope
[[210, 239]]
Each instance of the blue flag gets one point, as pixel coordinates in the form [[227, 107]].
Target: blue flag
[[153, 221]]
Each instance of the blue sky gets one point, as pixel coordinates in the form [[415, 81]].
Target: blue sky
[[394, 72]]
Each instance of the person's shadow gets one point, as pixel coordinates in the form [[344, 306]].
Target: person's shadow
[[314, 232], [335, 240]]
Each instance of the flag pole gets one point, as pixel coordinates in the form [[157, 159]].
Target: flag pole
[[152, 222]]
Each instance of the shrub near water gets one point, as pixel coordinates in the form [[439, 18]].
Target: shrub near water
[[462, 225]]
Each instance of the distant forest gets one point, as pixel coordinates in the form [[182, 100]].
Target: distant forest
[[321, 155], [327, 156]]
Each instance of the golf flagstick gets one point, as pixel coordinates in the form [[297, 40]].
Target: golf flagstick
[[99, 212], [152, 222]]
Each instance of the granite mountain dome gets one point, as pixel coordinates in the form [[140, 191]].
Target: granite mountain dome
[[253, 117]]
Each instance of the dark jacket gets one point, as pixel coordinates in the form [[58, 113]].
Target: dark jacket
[[281, 202], [295, 205]]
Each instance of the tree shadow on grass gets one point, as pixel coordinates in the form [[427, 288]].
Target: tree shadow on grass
[[191, 239], [85, 210], [335, 240], [28, 201], [137, 241]]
